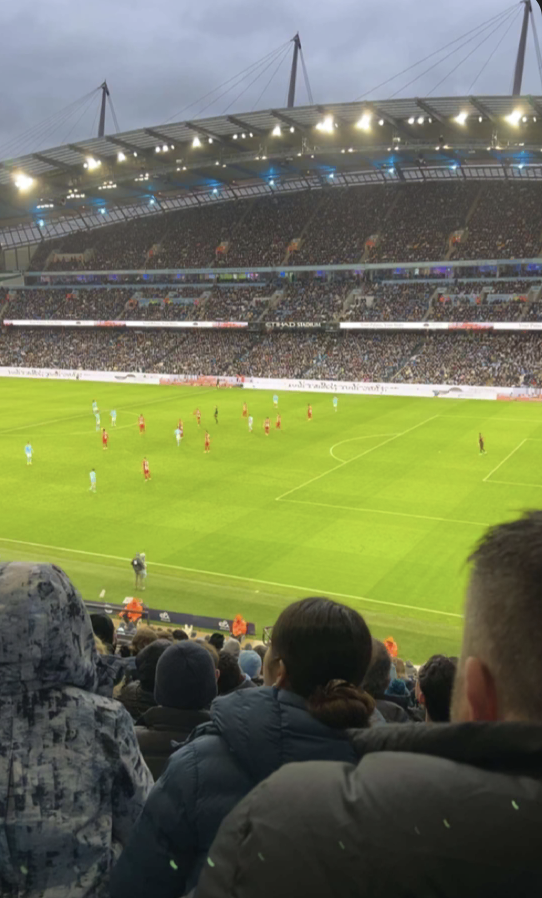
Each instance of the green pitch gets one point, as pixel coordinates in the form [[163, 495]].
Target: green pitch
[[377, 504]]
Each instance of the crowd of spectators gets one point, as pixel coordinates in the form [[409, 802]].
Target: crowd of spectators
[[184, 764], [390, 302], [476, 357], [422, 220], [506, 224], [409, 222], [311, 301], [479, 358], [463, 309]]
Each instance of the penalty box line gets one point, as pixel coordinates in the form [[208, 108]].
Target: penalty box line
[[310, 590], [361, 454]]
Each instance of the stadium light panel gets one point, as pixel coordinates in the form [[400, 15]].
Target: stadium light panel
[[235, 136], [172, 146], [271, 183], [276, 132], [157, 149], [331, 176], [92, 163], [135, 154], [250, 134], [461, 118], [300, 154], [23, 182], [421, 120], [514, 118], [217, 162], [292, 129], [210, 140], [165, 148], [215, 190], [524, 119], [243, 136], [480, 118], [430, 120], [326, 125], [121, 157], [364, 123], [196, 142], [41, 223], [102, 211], [350, 149], [151, 202], [381, 122], [411, 120]]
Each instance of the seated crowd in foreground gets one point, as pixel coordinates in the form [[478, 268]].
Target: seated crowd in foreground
[[184, 764], [471, 357], [332, 225]]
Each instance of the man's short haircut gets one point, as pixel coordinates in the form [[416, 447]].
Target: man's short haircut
[[436, 679], [143, 637], [180, 635], [503, 614], [377, 678], [230, 673]]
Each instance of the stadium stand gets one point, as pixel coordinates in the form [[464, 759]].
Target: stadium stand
[[388, 223]]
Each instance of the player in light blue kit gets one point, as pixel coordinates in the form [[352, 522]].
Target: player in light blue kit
[[276, 401], [113, 416], [92, 487], [28, 453], [94, 406], [97, 416], [178, 435], [335, 403]]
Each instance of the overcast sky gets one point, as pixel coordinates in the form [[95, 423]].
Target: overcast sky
[[159, 57]]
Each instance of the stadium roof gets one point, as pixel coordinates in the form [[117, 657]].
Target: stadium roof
[[142, 172]]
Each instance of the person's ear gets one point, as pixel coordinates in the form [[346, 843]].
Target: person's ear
[[479, 691], [282, 676]]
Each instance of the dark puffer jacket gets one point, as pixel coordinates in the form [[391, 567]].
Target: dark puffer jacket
[[160, 727], [453, 811], [72, 779], [253, 732]]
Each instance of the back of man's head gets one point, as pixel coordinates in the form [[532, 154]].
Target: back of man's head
[[500, 667], [436, 680], [104, 629], [377, 678]]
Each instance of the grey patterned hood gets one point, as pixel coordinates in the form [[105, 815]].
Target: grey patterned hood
[[46, 636]]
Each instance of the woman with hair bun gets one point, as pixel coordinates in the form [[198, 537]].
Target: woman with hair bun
[[319, 653]]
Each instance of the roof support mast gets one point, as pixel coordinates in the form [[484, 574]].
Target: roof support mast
[[105, 93], [520, 59], [293, 73]]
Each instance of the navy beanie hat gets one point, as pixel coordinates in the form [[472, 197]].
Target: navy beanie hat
[[185, 677]]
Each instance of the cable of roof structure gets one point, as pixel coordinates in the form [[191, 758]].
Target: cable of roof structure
[[284, 52], [176, 116], [65, 112], [306, 76], [537, 46], [474, 49], [502, 17], [281, 62], [113, 113], [74, 126], [491, 55], [436, 52]]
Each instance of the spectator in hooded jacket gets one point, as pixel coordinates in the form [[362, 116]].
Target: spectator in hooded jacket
[[460, 803], [320, 650], [72, 779], [185, 686]]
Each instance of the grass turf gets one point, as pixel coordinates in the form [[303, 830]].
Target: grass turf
[[377, 504]]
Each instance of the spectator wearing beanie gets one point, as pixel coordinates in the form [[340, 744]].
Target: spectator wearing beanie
[[138, 695], [320, 651], [184, 687], [251, 665], [232, 646]]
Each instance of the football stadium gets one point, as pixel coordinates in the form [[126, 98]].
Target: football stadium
[[271, 390]]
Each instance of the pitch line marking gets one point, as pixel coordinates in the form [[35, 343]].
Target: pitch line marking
[[515, 483], [369, 436], [87, 414], [355, 457], [485, 480], [311, 590], [401, 514]]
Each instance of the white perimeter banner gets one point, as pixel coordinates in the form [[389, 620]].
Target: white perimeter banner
[[353, 388], [51, 322]]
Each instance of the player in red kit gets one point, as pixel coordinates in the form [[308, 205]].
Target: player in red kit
[[267, 425], [278, 424], [105, 437], [245, 410], [141, 424], [197, 413], [309, 413], [146, 470], [207, 447]]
